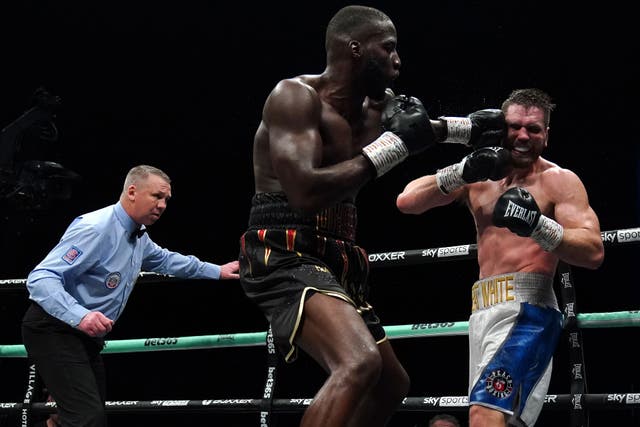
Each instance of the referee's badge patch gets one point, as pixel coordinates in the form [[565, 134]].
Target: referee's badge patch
[[113, 280], [72, 255]]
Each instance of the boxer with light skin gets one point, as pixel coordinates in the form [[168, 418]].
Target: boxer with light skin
[[530, 214]]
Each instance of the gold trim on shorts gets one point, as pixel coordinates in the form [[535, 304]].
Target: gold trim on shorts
[[534, 288]]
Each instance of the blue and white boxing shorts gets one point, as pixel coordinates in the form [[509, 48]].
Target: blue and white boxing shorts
[[514, 328]]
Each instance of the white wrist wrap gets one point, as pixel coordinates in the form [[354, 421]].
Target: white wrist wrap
[[450, 178], [386, 152], [548, 233], [458, 130]]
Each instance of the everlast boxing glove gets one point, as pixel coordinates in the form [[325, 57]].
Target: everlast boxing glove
[[485, 163], [484, 128], [407, 131], [517, 210]]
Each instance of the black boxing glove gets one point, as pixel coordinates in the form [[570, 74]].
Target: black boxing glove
[[485, 163], [517, 210], [484, 128], [407, 130]]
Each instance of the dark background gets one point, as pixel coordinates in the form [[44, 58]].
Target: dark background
[[181, 86]]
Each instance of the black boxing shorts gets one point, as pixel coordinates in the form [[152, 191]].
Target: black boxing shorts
[[287, 255]]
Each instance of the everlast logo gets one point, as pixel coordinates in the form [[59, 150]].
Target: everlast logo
[[551, 398], [577, 371], [569, 310], [518, 211], [225, 338], [577, 401], [386, 256], [573, 340], [566, 280]]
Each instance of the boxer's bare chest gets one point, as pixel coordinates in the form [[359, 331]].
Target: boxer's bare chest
[[343, 139]]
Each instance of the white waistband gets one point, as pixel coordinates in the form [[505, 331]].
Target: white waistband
[[534, 288]]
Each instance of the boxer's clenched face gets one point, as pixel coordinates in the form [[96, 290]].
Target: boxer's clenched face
[[527, 134]]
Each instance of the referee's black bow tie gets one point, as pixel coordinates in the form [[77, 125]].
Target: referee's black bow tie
[[138, 232]]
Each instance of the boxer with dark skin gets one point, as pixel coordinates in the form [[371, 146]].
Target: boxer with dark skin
[[321, 139]]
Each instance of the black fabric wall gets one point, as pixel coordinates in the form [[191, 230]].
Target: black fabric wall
[[181, 86]]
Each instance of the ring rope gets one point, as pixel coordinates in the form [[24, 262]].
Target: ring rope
[[617, 319], [470, 251], [615, 401], [578, 401], [395, 258]]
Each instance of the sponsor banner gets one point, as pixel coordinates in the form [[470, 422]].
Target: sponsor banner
[[442, 325], [609, 236], [387, 256], [116, 403], [227, 402], [633, 399], [305, 402], [449, 401], [170, 402], [153, 342], [629, 235]]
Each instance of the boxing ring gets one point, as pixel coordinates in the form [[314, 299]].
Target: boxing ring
[[578, 402]]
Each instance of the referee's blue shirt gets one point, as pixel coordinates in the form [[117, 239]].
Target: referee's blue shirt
[[97, 262]]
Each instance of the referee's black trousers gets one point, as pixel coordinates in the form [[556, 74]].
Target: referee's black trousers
[[70, 365]]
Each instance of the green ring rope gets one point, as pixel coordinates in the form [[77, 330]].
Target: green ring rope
[[618, 319]]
